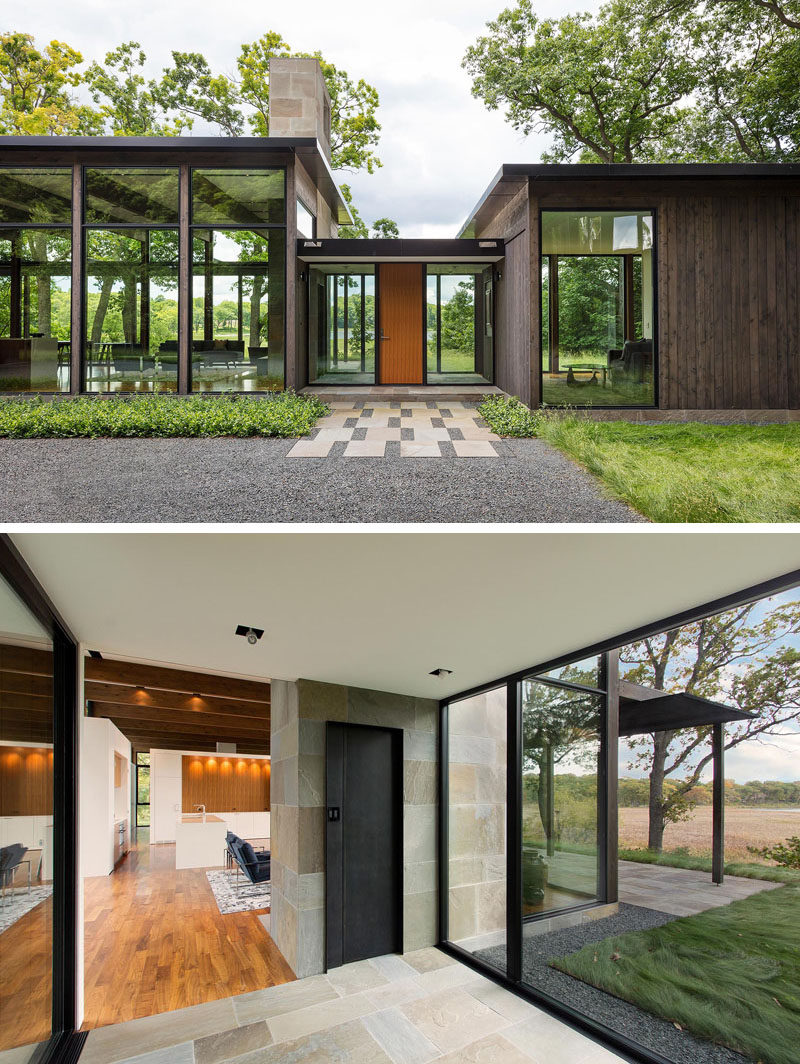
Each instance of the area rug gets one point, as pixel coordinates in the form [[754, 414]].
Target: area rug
[[244, 898], [16, 905]]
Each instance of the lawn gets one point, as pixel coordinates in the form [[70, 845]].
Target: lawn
[[668, 472], [283, 414], [728, 975]]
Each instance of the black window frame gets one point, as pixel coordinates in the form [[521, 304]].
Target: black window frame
[[616, 209], [609, 648], [66, 1042]]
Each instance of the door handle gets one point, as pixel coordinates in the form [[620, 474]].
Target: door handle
[[384, 337]]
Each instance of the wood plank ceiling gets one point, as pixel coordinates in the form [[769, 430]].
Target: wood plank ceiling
[[26, 694], [175, 709]]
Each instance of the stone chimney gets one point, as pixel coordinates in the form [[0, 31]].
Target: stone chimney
[[299, 104]]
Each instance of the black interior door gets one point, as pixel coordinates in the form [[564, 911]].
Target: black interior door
[[364, 767]]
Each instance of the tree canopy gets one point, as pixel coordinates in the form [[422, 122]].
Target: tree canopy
[[745, 657], [657, 80]]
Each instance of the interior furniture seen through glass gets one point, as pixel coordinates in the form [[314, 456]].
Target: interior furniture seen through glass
[[460, 323], [341, 323], [238, 284], [35, 290], [131, 310], [476, 812], [26, 823], [597, 308]]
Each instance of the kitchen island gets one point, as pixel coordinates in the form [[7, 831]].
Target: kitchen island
[[200, 841]]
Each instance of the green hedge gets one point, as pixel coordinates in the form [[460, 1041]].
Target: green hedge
[[283, 414]]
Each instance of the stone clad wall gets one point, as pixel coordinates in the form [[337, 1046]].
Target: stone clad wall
[[299, 713], [299, 104], [477, 742]]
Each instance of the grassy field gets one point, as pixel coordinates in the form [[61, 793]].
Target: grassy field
[[728, 975], [743, 828], [693, 472]]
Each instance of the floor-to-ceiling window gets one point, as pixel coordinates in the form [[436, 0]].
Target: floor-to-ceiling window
[[37, 818], [131, 281], [598, 343], [238, 280], [460, 324], [35, 278], [341, 323]]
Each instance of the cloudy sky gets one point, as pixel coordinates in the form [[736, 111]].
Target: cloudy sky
[[439, 146]]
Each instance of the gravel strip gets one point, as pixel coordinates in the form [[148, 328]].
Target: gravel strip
[[238, 480], [621, 1016]]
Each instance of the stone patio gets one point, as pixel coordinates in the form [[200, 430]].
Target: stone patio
[[421, 1007], [681, 891], [405, 429]]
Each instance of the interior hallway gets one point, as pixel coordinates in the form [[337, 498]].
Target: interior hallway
[[155, 941]]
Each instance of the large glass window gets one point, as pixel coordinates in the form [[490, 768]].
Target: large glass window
[[35, 289], [477, 797], [560, 758], [238, 297], [238, 197], [341, 314], [597, 308], [460, 320], [36, 195], [142, 790], [131, 310], [26, 829], [132, 195]]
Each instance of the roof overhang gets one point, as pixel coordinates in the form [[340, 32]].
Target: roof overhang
[[512, 177], [380, 250], [55, 151], [643, 710]]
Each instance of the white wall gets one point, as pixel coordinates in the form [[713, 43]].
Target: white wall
[[99, 803], [166, 796]]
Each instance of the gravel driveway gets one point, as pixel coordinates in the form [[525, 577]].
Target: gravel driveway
[[238, 480]]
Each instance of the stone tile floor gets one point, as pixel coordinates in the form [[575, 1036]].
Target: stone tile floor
[[382, 429], [391, 1010], [681, 891]]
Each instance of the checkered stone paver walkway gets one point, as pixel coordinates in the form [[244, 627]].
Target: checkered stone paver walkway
[[362, 429]]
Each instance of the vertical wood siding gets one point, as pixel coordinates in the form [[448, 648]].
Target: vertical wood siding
[[728, 302]]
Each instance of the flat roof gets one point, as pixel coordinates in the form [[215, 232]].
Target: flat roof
[[307, 149], [400, 250], [511, 177], [643, 710]]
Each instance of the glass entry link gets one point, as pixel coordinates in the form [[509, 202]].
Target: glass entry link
[[342, 324]]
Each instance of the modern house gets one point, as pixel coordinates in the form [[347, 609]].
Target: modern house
[[210, 264], [412, 771]]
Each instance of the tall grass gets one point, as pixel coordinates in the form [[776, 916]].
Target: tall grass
[[692, 472], [728, 975]]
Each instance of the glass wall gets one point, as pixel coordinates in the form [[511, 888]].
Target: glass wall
[[560, 760], [598, 308], [476, 812], [341, 316], [131, 310], [460, 323], [26, 828], [35, 278], [238, 286]]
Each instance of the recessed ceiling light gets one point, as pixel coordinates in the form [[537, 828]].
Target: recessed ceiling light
[[441, 672], [252, 635]]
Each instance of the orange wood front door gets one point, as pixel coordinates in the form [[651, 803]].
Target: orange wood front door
[[401, 296]]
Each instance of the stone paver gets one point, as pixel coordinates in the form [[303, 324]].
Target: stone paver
[[681, 891], [419, 427], [423, 1007]]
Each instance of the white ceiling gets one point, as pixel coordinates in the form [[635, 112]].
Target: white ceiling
[[380, 610]]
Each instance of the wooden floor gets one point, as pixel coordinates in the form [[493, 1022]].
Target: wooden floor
[[155, 941], [25, 974]]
